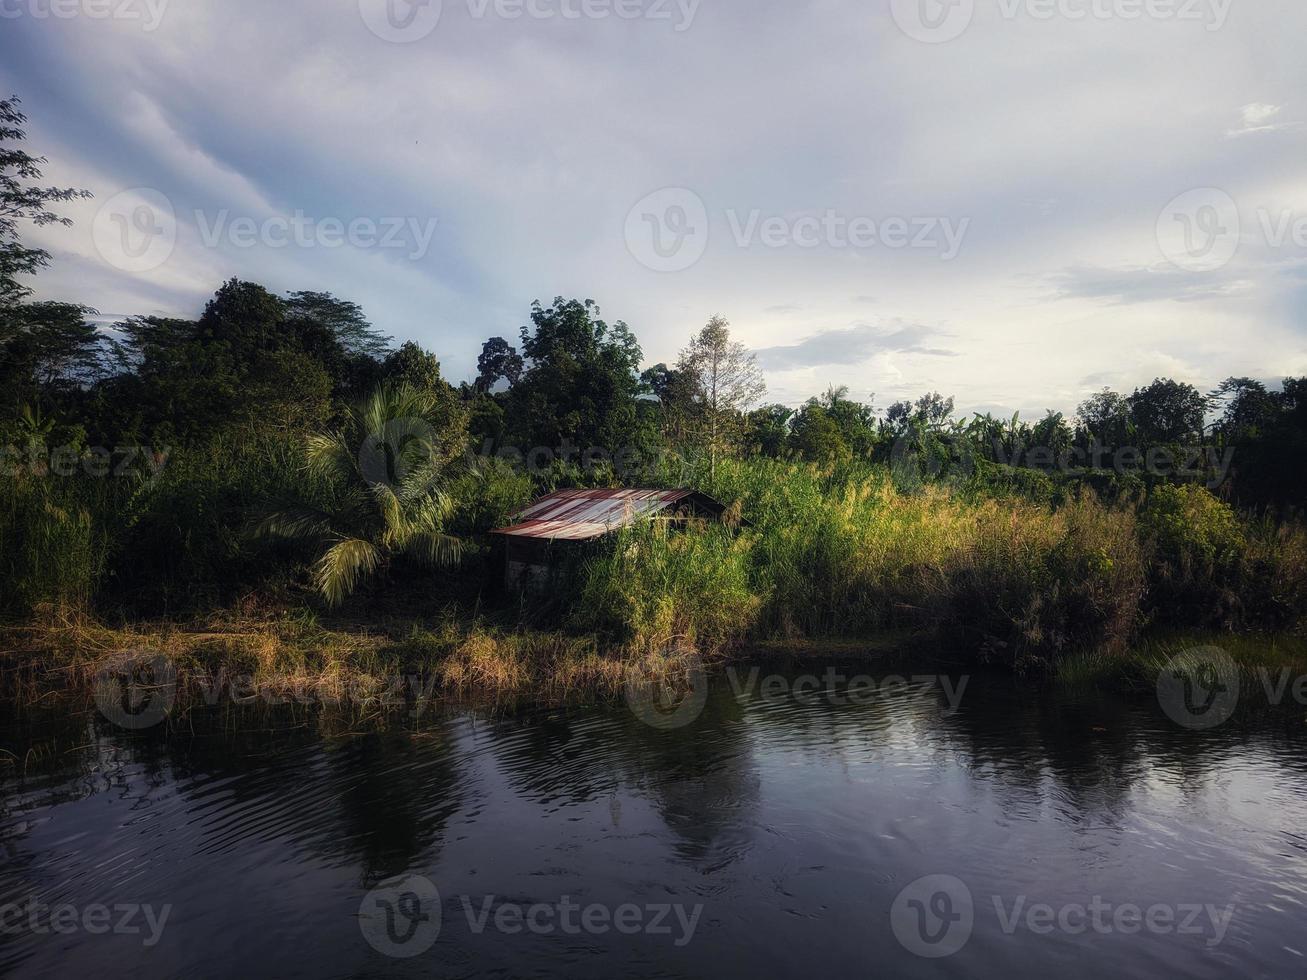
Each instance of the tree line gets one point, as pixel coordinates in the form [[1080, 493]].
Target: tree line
[[271, 400]]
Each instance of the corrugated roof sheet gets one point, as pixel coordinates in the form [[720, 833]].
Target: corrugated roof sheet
[[578, 515]]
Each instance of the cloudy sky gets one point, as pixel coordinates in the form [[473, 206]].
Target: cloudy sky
[[1014, 201]]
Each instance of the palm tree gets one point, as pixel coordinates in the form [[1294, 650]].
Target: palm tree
[[388, 465]]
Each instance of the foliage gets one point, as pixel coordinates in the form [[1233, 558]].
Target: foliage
[[581, 382], [662, 587], [1189, 524], [387, 473], [726, 382], [22, 201]]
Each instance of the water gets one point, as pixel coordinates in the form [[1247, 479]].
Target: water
[[792, 824]]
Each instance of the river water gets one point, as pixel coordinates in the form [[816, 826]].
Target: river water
[[984, 827]]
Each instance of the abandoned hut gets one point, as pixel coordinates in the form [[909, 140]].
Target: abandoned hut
[[545, 533]]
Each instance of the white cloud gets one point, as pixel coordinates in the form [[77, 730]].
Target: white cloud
[[529, 140]]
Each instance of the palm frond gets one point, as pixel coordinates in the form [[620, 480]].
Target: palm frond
[[434, 548], [330, 457], [297, 523], [339, 570]]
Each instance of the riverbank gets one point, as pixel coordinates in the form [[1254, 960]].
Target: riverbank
[[380, 667]]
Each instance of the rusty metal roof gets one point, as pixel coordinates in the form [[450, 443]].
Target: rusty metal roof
[[578, 515]]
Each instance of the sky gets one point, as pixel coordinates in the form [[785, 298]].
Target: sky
[[1015, 202]]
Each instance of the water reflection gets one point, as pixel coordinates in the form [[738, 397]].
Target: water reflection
[[793, 820]]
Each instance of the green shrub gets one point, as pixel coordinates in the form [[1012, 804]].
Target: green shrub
[[1188, 523], [1197, 545], [656, 586]]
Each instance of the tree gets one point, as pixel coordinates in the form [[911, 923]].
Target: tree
[[48, 349], [675, 391], [727, 382], [930, 411], [767, 430], [1168, 412], [856, 421], [815, 436], [1052, 433], [336, 333], [389, 466], [338, 319], [20, 201], [1249, 408], [499, 361], [1105, 416], [581, 382], [413, 366]]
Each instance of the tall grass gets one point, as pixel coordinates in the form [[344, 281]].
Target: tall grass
[[54, 543], [835, 551], [842, 551], [664, 587]]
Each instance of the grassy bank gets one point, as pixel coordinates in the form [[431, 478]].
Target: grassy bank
[[987, 570]]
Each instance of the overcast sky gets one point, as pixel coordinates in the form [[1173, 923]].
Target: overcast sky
[[1017, 202]]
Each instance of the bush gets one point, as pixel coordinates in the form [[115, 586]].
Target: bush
[[1197, 545], [1035, 584], [1189, 524], [53, 544], [655, 586]]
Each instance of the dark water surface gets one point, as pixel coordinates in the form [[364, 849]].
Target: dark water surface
[[774, 836]]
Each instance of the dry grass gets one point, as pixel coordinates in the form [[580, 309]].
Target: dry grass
[[298, 661]]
